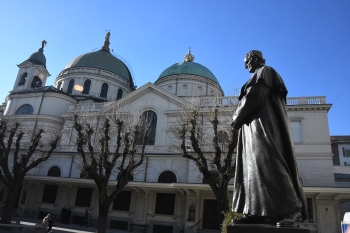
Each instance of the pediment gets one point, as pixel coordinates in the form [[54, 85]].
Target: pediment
[[28, 64], [149, 96]]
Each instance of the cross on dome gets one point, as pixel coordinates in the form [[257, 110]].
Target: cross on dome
[[189, 57]]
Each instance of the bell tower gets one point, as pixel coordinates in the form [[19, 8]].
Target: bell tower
[[32, 73]]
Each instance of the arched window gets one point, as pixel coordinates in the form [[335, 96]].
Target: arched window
[[59, 84], [70, 86], [104, 90], [25, 109], [23, 79], [120, 94], [54, 171], [36, 83], [222, 137], [151, 117], [223, 140], [87, 85], [167, 177]]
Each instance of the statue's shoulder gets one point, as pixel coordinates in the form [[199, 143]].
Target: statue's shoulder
[[269, 76], [267, 72], [266, 69]]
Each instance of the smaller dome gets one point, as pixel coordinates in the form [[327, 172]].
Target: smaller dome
[[38, 57], [188, 68]]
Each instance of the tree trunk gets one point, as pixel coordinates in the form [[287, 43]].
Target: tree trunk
[[222, 201], [9, 208], [102, 221], [103, 208]]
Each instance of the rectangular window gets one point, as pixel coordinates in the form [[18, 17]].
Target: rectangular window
[[165, 204], [346, 151], [83, 197], [310, 209], [122, 202], [211, 218], [295, 128], [49, 194]]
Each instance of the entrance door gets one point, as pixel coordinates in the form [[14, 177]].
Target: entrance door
[[162, 229], [210, 215]]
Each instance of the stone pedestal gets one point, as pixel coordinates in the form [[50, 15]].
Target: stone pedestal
[[260, 228]]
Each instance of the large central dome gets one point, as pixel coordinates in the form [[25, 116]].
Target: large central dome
[[102, 60]]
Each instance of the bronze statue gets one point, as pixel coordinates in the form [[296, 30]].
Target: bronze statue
[[107, 36], [43, 43], [191, 214], [105, 46], [267, 188]]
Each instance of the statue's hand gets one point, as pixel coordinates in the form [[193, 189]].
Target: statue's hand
[[235, 125], [232, 122]]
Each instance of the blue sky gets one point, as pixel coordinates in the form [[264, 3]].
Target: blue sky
[[307, 42]]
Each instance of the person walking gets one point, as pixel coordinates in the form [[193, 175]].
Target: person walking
[[50, 223], [85, 219], [45, 222]]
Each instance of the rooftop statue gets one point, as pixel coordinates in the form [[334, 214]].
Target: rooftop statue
[[107, 36], [43, 43], [105, 46], [267, 186]]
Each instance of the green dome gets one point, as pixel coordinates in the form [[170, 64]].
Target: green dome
[[38, 57], [101, 60], [188, 68]]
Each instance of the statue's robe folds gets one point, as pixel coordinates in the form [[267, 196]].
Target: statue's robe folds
[[266, 179]]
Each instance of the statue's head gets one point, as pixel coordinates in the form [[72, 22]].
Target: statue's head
[[253, 60]]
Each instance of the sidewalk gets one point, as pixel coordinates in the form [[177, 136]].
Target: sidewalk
[[58, 227]]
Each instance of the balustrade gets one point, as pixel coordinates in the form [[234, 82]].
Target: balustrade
[[208, 101]]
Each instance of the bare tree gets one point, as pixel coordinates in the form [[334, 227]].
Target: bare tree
[[206, 138], [16, 159], [115, 140]]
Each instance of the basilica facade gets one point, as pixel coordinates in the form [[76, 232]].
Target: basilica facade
[[97, 81]]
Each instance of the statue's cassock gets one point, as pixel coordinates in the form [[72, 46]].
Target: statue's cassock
[[266, 178]]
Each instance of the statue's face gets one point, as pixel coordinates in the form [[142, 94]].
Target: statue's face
[[251, 64]]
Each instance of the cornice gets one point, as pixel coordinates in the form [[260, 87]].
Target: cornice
[[29, 94], [94, 73], [189, 78], [309, 107], [35, 117]]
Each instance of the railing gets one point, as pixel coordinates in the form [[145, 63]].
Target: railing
[[149, 148], [94, 95], [306, 100], [206, 101], [88, 107], [233, 100], [213, 101]]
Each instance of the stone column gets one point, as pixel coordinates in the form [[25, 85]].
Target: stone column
[[141, 207], [328, 216]]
